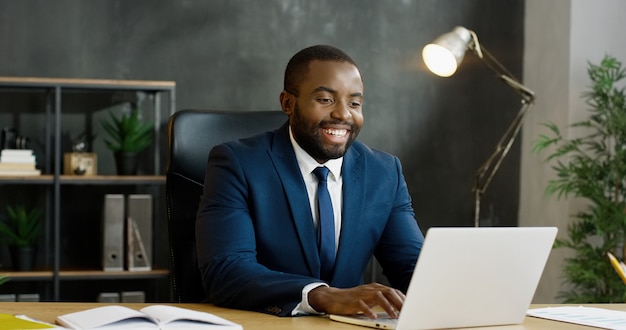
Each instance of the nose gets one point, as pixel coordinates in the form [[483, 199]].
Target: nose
[[341, 111]]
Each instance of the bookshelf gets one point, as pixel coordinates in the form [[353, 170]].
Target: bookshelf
[[49, 108]]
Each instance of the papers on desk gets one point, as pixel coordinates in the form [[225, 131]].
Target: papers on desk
[[591, 316], [9, 321], [151, 317]]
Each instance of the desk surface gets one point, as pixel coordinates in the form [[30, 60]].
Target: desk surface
[[48, 311]]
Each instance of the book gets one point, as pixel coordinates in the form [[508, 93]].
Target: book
[[10, 321], [619, 266], [18, 159], [17, 156], [16, 166], [18, 162], [19, 172], [16, 152], [151, 317]]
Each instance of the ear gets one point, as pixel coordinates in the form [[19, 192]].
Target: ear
[[287, 102]]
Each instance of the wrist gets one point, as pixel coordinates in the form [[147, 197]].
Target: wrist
[[319, 297], [304, 307]]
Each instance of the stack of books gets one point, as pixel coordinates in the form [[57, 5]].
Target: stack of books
[[18, 162]]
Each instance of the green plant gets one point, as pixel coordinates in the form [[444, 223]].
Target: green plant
[[22, 227], [127, 132], [593, 167]]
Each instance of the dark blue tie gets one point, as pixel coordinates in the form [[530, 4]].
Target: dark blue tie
[[326, 225]]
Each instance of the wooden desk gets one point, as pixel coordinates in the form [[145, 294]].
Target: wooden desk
[[48, 311]]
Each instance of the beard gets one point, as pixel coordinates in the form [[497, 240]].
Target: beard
[[308, 137]]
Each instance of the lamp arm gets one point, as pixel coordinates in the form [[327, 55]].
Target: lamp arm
[[527, 95], [501, 72], [488, 169]]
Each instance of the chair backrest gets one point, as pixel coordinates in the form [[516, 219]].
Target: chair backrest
[[192, 134]]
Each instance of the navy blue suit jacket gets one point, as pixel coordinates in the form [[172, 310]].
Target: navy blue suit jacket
[[255, 236]]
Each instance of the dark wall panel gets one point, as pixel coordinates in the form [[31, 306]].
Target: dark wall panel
[[230, 55]]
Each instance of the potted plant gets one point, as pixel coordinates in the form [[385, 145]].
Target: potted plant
[[21, 233], [592, 166], [128, 136]]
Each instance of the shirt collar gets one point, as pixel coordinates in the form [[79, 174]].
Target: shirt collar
[[308, 164]]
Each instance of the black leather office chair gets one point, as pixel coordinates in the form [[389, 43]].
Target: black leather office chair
[[192, 134]]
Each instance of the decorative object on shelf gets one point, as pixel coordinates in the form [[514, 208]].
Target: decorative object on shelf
[[7, 141], [591, 164], [129, 136], [442, 57], [10, 139], [79, 161], [20, 233]]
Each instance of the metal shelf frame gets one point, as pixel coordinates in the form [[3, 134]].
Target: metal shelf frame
[[54, 88]]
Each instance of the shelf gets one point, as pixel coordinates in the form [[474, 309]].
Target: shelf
[[85, 180], [38, 179], [57, 193], [86, 275], [31, 82], [112, 179], [28, 276], [112, 275]]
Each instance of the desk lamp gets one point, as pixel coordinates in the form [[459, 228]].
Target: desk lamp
[[442, 57]]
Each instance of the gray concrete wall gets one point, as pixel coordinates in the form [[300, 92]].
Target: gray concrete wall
[[231, 55], [560, 38]]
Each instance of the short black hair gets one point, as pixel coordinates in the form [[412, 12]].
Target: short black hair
[[298, 65]]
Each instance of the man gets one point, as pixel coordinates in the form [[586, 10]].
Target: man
[[257, 227]]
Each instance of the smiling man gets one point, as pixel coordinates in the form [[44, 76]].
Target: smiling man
[[276, 236]]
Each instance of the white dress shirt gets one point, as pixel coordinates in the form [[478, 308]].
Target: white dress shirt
[[335, 184]]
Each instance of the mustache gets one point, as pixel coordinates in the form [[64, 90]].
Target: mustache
[[337, 122]]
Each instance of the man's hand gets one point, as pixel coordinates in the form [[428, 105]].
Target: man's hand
[[362, 299]]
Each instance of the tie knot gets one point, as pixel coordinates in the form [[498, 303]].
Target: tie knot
[[321, 173]]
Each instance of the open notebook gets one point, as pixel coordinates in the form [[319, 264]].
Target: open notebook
[[468, 277]]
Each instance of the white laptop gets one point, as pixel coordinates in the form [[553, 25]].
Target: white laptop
[[469, 277]]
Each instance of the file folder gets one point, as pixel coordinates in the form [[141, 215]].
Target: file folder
[[113, 233], [139, 232]]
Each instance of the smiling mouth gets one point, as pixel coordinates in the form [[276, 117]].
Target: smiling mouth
[[335, 132]]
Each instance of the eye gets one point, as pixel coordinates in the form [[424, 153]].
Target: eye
[[324, 100], [354, 104]]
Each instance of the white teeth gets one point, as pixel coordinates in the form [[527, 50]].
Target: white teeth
[[335, 132]]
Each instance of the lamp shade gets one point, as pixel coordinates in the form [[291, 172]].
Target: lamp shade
[[444, 54]]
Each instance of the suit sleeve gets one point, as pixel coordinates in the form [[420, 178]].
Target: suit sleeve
[[226, 247]]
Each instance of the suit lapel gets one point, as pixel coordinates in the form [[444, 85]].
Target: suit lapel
[[284, 159], [353, 203]]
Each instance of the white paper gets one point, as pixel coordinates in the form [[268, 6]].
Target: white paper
[[591, 316]]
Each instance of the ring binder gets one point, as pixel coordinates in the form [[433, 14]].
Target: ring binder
[[113, 232], [139, 232]]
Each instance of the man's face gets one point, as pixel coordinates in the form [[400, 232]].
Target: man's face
[[326, 116]]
